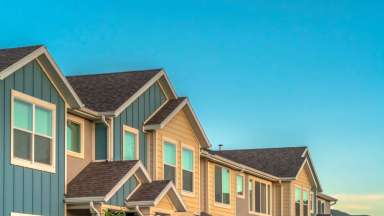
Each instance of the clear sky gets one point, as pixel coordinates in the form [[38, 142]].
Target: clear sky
[[258, 73]]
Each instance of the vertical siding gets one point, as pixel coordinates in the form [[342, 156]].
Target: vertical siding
[[123, 192], [26, 190], [134, 116], [101, 141]]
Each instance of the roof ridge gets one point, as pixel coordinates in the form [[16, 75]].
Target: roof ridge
[[114, 73], [22, 47]]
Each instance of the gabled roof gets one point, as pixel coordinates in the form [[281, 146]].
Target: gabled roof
[[12, 59], [100, 180], [326, 197], [280, 162], [150, 194], [108, 91], [162, 116]]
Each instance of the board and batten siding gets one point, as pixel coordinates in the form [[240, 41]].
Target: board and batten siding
[[134, 116], [26, 190], [120, 196]]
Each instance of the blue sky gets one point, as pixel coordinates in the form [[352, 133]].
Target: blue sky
[[259, 73]]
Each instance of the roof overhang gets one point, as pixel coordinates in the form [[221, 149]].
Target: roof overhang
[[197, 127], [169, 190], [326, 197], [49, 66], [138, 170], [312, 170]]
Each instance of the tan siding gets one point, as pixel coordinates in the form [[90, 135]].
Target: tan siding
[[180, 131], [74, 164], [287, 199]]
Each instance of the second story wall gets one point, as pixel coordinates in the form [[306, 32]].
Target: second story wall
[[134, 116]]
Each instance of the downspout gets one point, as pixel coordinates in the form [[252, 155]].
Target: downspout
[[108, 135], [138, 211], [94, 209]]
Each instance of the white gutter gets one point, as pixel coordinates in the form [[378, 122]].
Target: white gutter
[[94, 209]]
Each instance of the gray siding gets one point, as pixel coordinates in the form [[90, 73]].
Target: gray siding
[[134, 116], [123, 192], [21, 189]]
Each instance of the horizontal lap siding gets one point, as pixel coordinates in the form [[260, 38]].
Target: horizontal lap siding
[[180, 130], [305, 181], [134, 116], [22, 189]]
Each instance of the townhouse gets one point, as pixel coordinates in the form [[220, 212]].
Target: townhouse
[[126, 142]]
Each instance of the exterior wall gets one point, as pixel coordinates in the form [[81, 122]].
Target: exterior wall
[[27, 190], [123, 192], [203, 184], [277, 199], [134, 116], [213, 207], [327, 206], [76, 164], [101, 141], [287, 199], [305, 182], [179, 131]]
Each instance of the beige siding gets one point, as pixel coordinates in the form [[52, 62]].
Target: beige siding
[[76, 164], [179, 131]]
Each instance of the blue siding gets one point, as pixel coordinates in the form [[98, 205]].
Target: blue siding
[[119, 197], [26, 190], [134, 116], [101, 141]]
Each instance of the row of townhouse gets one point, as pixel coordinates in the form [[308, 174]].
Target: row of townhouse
[[84, 145]]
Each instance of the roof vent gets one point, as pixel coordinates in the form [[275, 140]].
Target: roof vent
[[221, 147]]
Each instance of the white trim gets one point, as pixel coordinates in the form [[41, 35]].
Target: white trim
[[75, 200], [221, 204], [135, 132], [134, 190], [268, 201], [45, 105], [21, 214], [190, 148], [310, 170], [80, 122], [175, 143], [169, 117], [237, 194]]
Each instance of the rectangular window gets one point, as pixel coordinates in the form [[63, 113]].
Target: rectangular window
[[297, 201], [75, 133], [240, 185], [33, 132], [170, 161], [260, 197], [313, 202], [130, 143], [319, 207], [251, 195], [305, 203], [187, 159], [222, 185]]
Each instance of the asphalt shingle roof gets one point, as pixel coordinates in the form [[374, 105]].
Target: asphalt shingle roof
[[149, 191], [165, 111], [10, 56], [280, 162], [108, 91], [98, 178]]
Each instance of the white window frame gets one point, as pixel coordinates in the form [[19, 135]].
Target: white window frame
[[312, 201], [135, 132], [80, 122], [220, 204], [302, 201], [45, 105], [301, 198], [237, 194], [268, 198], [184, 192], [22, 214], [175, 143]]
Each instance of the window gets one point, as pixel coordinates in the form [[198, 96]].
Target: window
[[240, 185], [312, 200], [170, 161], [222, 185], [305, 203], [33, 132], [260, 197], [319, 207], [187, 159], [251, 195], [297, 201], [130, 143], [75, 132]]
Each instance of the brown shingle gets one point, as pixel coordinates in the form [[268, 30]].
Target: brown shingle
[[12, 55], [108, 91], [280, 162], [149, 191], [98, 178], [165, 111]]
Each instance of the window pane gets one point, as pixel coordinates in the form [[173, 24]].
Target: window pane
[[263, 198], [250, 194], [22, 144], [225, 184], [169, 173], [170, 154], [187, 181], [42, 150], [129, 142], [187, 160], [22, 115], [73, 137], [218, 184], [257, 197], [297, 201], [43, 121], [240, 185]]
